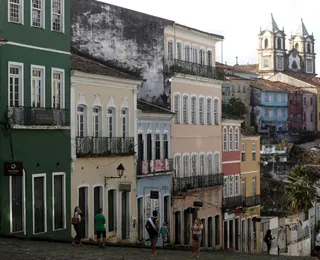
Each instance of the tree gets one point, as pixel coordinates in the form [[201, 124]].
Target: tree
[[234, 108], [300, 192]]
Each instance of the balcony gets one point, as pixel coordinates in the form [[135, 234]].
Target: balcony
[[104, 146], [38, 116], [233, 202], [192, 68], [182, 185], [252, 201], [154, 166]]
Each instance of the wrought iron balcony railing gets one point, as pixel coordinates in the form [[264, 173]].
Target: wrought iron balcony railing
[[252, 201], [104, 146], [233, 202], [182, 185], [192, 68], [154, 166], [41, 116]]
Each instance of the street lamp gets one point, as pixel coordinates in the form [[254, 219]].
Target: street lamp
[[120, 172]]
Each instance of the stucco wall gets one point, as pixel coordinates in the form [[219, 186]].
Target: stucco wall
[[123, 38]]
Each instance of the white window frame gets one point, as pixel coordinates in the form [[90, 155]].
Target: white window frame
[[231, 185], [113, 117], [279, 62], [45, 203], [194, 164], [20, 66], [42, 15], [193, 111], [309, 62], [254, 151], [210, 164], [62, 16], [216, 167], [84, 114], [202, 168], [209, 58], [179, 52], [177, 110], [186, 165], [195, 54], [99, 116], [64, 200], [231, 138], [62, 90], [225, 139], [178, 170], [187, 53], [127, 126], [21, 13], [202, 56], [225, 186], [237, 185], [216, 118], [170, 52], [157, 138], [236, 139], [185, 109], [209, 111], [43, 85], [201, 111], [254, 181]]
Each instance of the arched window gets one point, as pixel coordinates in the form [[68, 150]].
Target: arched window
[[201, 111], [81, 121], [177, 165], [202, 56], [308, 47], [279, 43], [177, 108], [266, 43], [210, 164], [194, 165], [202, 164], [209, 58], [296, 46], [187, 51], [294, 65], [209, 111], [194, 54], [170, 50], [96, 122], [225, 147], [124, 122], [193, 110], [216, 111], [186, 166], [230, 139], [111, 122], [185, 109], [236, 139], [217, 163]]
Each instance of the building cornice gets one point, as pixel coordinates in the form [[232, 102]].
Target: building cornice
[[232, 122], [196, 80], [154, 116], [78, 77]]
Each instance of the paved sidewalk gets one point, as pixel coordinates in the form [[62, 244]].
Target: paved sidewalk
[[16, 249]]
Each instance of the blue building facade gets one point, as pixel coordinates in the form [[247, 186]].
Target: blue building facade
[[270, 107], [154, 165]]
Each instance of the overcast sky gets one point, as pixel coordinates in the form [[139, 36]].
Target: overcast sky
[[238, 21]]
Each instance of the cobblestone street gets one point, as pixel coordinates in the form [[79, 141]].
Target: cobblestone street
[[30, 250]]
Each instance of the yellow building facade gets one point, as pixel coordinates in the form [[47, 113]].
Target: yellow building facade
[[103, 119], [250, 190]]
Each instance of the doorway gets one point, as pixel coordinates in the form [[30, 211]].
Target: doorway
[[97, 199], [166, 216], [125, 222], [17, 203], [186, 227], [140, 219], [177, 228], [203, 240], [210, 232], [83, 204]]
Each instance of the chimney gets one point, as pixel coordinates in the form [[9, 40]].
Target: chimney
[[237, 60]]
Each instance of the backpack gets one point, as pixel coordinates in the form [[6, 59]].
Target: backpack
[[151, 227]]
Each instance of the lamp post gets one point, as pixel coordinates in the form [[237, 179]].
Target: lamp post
[[120, 172]]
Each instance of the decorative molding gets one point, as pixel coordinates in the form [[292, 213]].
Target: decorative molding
[[82, 99], [97, 102], [111, 102]]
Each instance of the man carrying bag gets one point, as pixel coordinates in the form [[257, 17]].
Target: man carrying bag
[[152, 227]]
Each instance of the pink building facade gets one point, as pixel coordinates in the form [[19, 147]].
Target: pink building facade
[[195, 134], [231, 168]]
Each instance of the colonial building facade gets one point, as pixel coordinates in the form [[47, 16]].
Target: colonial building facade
[[103, 116], [196, 130], [35, 144], [154, 166]]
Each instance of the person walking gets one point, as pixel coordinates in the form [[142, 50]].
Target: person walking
[[76, 220], [100, 229], [196, 236], [152, 227], [318, 244], [267, 239], [164, 232]]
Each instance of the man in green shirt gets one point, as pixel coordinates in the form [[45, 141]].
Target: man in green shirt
[[99, 223]]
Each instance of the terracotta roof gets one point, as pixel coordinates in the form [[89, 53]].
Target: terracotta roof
[[275, 86], [248, 68], [305, 78], [151, 108], [235, 77], [88, 65], [223, 66]]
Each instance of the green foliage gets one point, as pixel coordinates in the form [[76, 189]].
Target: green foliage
[[300, 192], [234, 108]]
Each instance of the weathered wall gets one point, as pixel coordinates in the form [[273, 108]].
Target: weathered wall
[[125, 39]]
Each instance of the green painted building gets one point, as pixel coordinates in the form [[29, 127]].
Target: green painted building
[[34, 118]]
